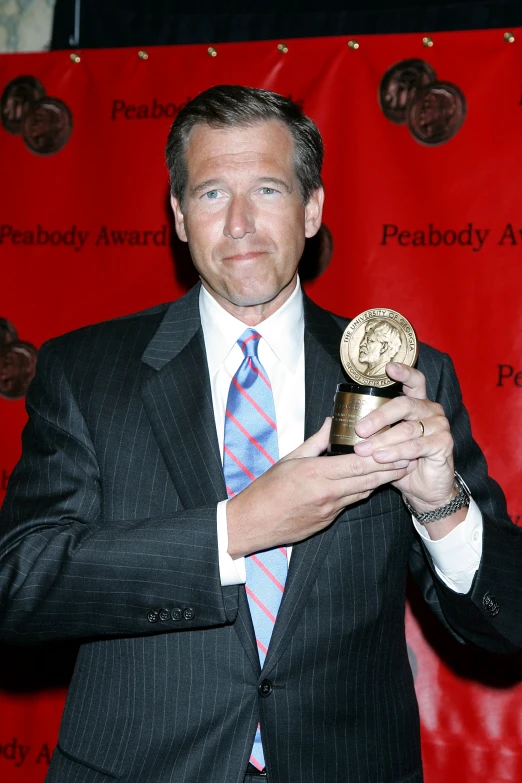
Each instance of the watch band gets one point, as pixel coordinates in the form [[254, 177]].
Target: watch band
[[461, 500]]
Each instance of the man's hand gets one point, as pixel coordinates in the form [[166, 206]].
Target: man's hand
[[427, 447], [302, 494]]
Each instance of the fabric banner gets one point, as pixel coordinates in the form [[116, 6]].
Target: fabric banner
[[422, 215]]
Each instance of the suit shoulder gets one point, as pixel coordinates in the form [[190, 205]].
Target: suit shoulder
[[121, 324], [428, 355], [125, 336], [117, 346]]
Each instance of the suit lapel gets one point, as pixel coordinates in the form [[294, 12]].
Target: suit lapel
[[322, 374], [177, 398], [178, 401]]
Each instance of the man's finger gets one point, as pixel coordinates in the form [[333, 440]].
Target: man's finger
[[348, 493], [352, 466], [437, 446], [406, 430], [313, 446], [393, 411], [413, 381]]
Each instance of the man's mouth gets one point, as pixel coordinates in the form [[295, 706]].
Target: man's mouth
[[245, 256]]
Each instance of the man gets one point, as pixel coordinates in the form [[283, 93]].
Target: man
[[380, 345], [133, 521]]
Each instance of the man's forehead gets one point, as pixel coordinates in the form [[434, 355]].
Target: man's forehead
[[231, 147]]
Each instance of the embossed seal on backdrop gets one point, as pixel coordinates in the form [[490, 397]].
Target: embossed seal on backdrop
[[16, 99], [374, 338], [17, 368], [317, 254], [411, 95], [8, 333], [17, 362], [400, 83], [436, 113], [46, 126], [44, 123]]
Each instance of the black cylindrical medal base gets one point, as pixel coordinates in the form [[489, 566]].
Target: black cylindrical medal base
[[351, 403]]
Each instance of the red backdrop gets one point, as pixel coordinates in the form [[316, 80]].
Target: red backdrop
[[433, 231]]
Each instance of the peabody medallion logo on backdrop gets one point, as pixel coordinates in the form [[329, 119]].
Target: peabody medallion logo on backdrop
[[411, 95], [17, 363], [44, 123]]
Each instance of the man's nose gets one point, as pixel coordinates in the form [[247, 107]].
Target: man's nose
[[240, 219]]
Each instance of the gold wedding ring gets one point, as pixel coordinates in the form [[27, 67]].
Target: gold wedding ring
[[422, 429]]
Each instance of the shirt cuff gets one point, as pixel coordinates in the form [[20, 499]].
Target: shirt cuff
[[231, 572], [456, 557]]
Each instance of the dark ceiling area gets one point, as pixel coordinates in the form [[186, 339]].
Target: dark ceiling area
[[110, 23]]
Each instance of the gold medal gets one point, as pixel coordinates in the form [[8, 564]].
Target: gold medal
[[374, 338], [369, 342]]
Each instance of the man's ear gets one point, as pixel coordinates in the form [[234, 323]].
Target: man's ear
[[179, 218], [314, 212]]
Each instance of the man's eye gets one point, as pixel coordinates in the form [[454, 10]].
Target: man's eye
[[212, 194], [268, 191]]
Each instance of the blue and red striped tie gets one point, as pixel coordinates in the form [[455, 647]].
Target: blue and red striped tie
[[250, 448]]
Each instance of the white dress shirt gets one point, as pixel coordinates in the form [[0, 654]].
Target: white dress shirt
[[456, 557]]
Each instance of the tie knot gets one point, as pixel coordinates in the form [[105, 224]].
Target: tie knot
[[249, 342]]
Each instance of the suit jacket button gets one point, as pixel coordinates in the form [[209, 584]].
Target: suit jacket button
[[153, 617], [176, 614], [189, 614], [164, 615], [264, 688], [491, 604]]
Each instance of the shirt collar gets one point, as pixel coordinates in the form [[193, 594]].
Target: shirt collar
[[283, 330]]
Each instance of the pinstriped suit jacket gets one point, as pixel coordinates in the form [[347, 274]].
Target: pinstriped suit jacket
[[108, 534]]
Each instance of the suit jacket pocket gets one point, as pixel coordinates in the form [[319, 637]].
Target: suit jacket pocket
[[66, 768]]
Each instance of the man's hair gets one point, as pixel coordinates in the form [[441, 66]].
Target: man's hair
[[230, 106]]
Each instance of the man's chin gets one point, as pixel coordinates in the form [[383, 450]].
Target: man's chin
[[247, 300], [244, 294], [244, 290]]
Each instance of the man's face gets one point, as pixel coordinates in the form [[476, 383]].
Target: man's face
[[370, 348], [243, 215]]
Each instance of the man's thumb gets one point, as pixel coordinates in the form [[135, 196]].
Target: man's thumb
[[315, 445]]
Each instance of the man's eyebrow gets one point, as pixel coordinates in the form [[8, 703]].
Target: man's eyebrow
[[208, 184], [280, 183]]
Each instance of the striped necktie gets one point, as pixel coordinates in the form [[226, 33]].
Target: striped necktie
[[250, 448]]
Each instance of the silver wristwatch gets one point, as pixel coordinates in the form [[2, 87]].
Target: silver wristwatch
[[461, 500]]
